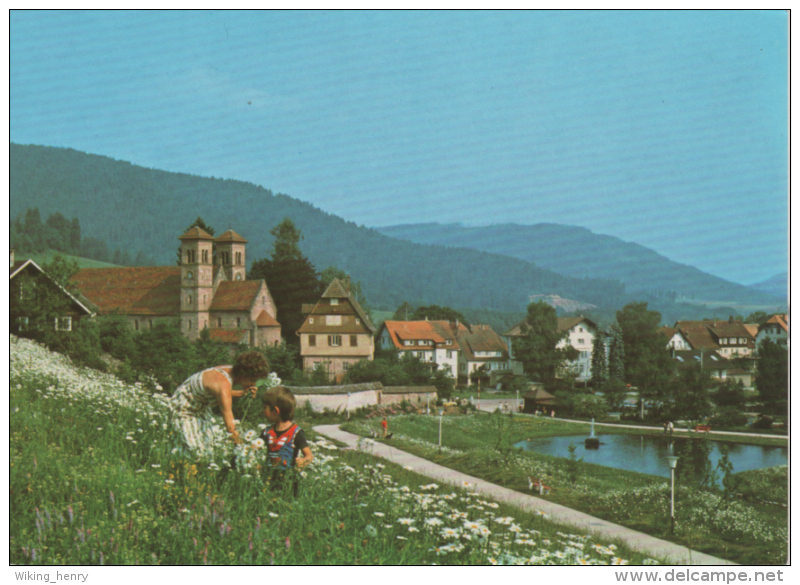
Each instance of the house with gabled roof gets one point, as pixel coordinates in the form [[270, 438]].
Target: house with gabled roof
[[775, 329], [480, 347], [580, 333], [25, 277], [432, 342], [207, 290], [730, 338], [712, 362], [336, 333]]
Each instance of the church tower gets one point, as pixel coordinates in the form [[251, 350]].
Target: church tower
[[197, 281], [230, 255]]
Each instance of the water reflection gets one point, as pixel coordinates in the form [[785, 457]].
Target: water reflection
[[648, 453]]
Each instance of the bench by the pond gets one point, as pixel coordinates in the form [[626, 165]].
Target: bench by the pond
[[536, 485], [702, 428]]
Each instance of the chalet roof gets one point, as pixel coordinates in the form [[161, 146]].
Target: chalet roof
[[436, 331], [23, 266], [482, 338], [752, 329], [196, 233], [336, 290], [237, 295], [132, 290], [728, 329], [230, 236], [697, 334], [264, 319], [343, 389], [780, 320], [229, 335]]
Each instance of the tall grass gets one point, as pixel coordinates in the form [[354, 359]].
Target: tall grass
[[96, 478]]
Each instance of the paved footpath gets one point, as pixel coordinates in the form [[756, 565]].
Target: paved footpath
[[644, 543]]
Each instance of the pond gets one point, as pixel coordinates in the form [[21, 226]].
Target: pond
[[648, 453]]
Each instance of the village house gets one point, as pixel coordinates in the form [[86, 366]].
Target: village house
[[580, 334], [717, 366], [208, 290], [25, 277], [480, 347], [730, 338], [432, 342], [336, 333], [775, 329]]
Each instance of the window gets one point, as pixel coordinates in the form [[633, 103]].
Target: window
[[238, 258], [312, 341], [311, 320], [742, 340], [136, 324], [353, 340], [205, 256], [448, 342], [581, 340], [189, 275], [449, 354], [150, 323], [358, 321], [188, 325], [334, 340], [219, 321], [238, 322], [408, 342], [334, 302], [333, 319], [346, 366]]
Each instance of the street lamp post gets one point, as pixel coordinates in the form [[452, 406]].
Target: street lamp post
[[441, 413], [673, 463], [517, 400]]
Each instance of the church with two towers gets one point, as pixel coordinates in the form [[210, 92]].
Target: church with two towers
[[208, 289]]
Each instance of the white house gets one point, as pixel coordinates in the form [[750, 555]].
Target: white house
[[433, 342]]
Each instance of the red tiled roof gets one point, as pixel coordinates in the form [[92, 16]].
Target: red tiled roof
[[564, 324], [436, 331], [196, 233], [237, 295], [229, 335], [132, 290], [264, 319], [230, 236]]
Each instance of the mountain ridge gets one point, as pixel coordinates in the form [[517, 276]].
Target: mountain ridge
[[578, 252]]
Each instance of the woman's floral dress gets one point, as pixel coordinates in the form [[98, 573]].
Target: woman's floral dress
[[191, 407]]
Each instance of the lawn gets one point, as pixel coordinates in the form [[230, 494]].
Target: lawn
[[734, 525], [95, 478]]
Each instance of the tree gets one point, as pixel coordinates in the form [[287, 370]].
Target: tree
[[437, 313], [758, 317], [403, 312], [687, 395], [537, 348], [165, 353], [291, 277], [599, 360], [647, 362], [772, 382]]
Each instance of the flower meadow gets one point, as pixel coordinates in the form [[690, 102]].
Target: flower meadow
[[724, 525], [96, 478]]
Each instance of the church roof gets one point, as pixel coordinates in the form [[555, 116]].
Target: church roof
[[237, 295], [264, 319], [230, 236], [196, 233], [229, 335], [132, 290]]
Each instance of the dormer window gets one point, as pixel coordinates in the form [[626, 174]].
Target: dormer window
[[334, 302]]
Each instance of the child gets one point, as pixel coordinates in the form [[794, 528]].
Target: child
[[285, 441]]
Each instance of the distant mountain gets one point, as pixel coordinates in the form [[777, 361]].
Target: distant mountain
[[137, 209], [580, 253], [778, 285]]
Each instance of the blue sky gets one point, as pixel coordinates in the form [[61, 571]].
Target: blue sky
[[669, 129]]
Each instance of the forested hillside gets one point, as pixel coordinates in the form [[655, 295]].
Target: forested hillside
[[578, 252], [144, 211]]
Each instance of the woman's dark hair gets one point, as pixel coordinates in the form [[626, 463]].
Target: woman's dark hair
[[252, 365]]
